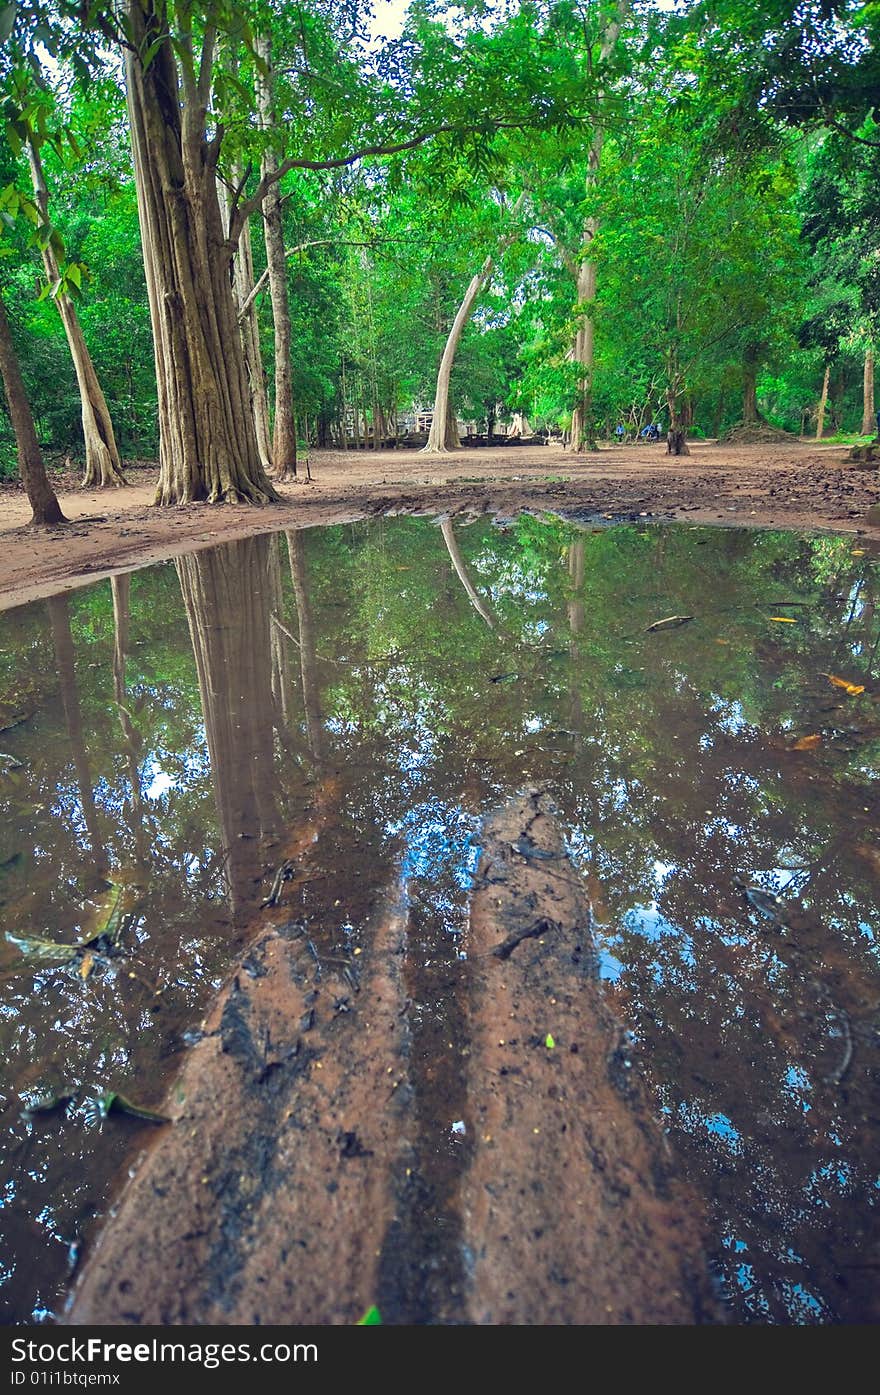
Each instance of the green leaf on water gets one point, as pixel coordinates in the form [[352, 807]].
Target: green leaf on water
[[371, 1318]]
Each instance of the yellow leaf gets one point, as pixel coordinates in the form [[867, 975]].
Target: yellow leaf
[[88, 963], [807, 743], [857, 552], [782, 619], [852, 688]]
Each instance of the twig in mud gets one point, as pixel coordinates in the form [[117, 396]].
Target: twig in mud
[[846, 1032], [284, 874], [539, 927]]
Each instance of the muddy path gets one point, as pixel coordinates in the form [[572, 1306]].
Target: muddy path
[[793, 486], [305, 1177]]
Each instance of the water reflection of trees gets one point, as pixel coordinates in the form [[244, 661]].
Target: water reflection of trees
[[668, 754]]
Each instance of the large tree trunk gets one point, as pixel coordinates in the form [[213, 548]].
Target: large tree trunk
[[103, 464], [207, 440], [249, 324], [41, 495], [679, 420], [443, 435], [823, 403], [583, 433], [284, 435], [869, 420]]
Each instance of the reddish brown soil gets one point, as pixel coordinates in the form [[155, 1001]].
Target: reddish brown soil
[[797, 485], [292, 1185]]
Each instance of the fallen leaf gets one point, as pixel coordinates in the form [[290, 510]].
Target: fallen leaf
[[857, 552], [371, 1318], [807, 743], [549, 1042], [722, 641], [782, 619], [88, 963], [852, 688]]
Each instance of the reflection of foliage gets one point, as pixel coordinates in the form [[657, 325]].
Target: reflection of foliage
[[668, 753]]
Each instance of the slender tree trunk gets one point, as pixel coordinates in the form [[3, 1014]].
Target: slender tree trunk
[[207, 439], [823, 403], [249, 323], [583, 434], [284, 434], [750, 385], [443, 435], [676, 438], [103, 465], [869, 420], [281, 682], [41, 495]]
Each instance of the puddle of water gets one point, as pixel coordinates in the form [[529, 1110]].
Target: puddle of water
[[356, 700]]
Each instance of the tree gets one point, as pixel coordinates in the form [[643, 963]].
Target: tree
[[103, 464], [41, 495]]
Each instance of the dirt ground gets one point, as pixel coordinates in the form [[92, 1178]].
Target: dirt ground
[[797, 485]]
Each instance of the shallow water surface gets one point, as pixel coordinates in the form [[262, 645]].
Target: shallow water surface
[[353, 701]]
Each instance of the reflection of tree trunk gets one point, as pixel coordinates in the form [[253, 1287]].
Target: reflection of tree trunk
[[458, 563], [576, 624], [121, 589], [226, 594], [307, 652], [59, 615], [281, 684]]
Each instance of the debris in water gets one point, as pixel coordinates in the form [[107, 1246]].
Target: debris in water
[[670, 622], [853, 689], [807, 743]]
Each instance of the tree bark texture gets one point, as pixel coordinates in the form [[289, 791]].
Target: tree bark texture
[[823, 403], [284, 434], [41, 495], [103, 463], [869, 420], [443, 435], [207, 439], [249, 324], [750, 386], [583, 351]]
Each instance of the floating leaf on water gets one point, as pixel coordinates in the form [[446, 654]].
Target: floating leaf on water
[[782, 619], [45, 950], [88, 963], [371, 1318], [670, 622], [853, 689], [807, 743], [114, 1103]]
